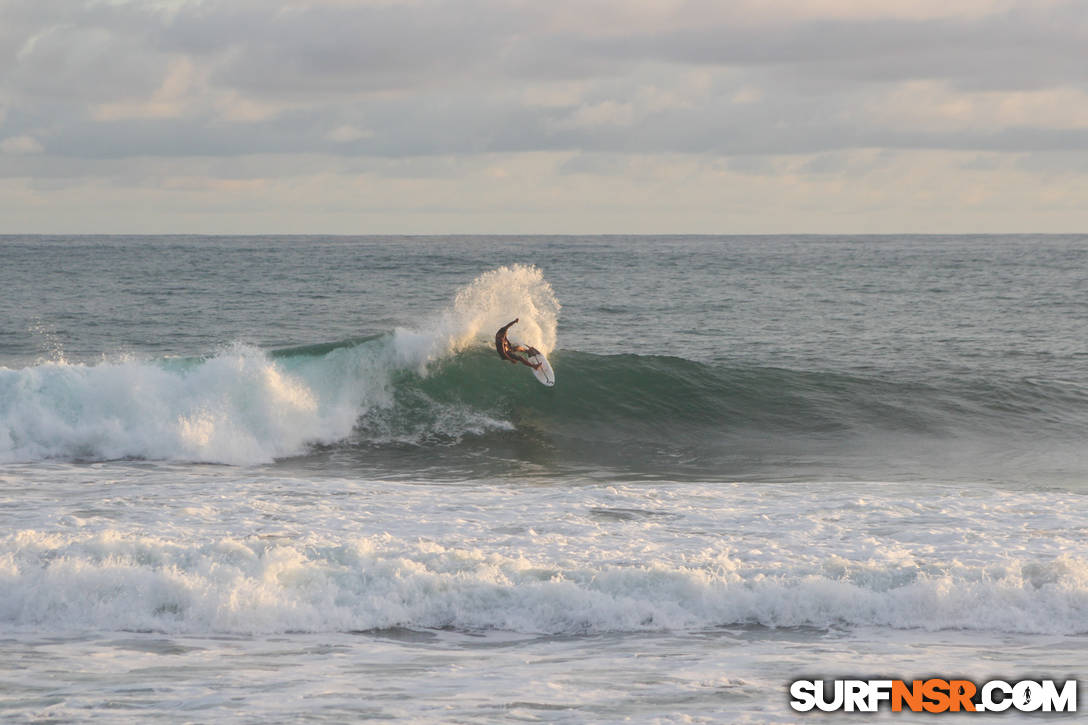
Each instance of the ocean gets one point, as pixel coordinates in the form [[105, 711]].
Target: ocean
[[288, 479]]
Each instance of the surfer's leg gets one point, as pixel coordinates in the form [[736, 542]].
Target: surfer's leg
[[523, 361]]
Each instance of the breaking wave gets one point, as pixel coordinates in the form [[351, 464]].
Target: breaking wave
[[441, 386], [246, 585], [244, 405]]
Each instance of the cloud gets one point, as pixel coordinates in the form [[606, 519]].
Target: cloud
[[20, 145], [938, 107], [347, 133], [870, 191], [738, 86], [171, 99], [441, 77]]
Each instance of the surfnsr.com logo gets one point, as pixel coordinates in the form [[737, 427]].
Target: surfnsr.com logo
[[933, 695]]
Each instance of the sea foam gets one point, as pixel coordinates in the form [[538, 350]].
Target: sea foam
[[243, 405], [243, 585]]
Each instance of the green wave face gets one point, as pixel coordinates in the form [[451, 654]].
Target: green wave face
[[667, 416]]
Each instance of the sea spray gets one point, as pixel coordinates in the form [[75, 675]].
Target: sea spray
[[482, 307], [244, 405]]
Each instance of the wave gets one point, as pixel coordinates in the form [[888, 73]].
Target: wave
[[244, 405], [110, 581], [392, 398], [661, 394], [440, 388], [677, 418]]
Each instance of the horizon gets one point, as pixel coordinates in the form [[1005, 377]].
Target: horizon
[[543, 235]]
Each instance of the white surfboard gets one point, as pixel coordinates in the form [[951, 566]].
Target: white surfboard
[[544, 373]]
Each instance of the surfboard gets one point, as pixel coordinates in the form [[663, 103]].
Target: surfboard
[[544, 373]]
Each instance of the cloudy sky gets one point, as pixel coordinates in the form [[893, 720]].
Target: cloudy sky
[[543, 116]]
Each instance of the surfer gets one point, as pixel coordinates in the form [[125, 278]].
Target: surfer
[[506, 350]]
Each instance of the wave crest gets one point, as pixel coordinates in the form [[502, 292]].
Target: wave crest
[[245, 406]]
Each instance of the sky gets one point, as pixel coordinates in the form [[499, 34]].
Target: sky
[[549, 117]]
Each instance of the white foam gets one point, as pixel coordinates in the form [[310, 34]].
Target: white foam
[[208, 549], [116, 582], [237, 407], [242, 406], [482, 307]]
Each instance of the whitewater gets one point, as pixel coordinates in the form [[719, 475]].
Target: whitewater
[[242, 405], [231, 467]]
